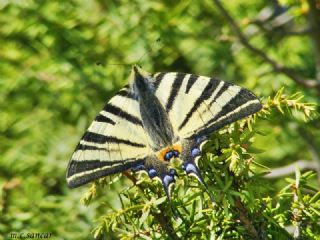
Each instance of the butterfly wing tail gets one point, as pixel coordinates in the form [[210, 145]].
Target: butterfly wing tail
[[190, 156]]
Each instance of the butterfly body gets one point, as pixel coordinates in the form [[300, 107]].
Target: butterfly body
[[156, 118]]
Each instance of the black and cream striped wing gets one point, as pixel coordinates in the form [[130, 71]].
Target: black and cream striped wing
[[114, 142], [199, 105]]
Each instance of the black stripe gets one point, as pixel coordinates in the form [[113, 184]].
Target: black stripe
[[127, 142], [192, 79], [84, 147], [88, 147], [102, 118], [158, 80], [99, 138], [94, 137], [210, 128], [77, 167], [120, 113], [87, 165], [224, 88], [174, 90], [241, 98], [207, 92], [236, 102], [126, 93]]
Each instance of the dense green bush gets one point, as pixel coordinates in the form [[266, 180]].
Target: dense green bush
[[56, 73], [243, 206]]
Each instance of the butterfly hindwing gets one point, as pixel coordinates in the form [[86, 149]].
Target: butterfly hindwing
[[199, 105], [114, 142]]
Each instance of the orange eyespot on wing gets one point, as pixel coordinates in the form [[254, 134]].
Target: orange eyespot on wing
[[162, 153], [167, 153], [177, 147]]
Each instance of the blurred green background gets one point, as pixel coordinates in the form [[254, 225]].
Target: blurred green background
[[57, 70]]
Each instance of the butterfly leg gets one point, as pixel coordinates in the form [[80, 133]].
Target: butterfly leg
[[190, 155]]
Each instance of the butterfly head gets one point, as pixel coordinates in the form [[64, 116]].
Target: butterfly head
[[140, 78]]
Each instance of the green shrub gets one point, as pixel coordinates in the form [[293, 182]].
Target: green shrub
[[243, 206]]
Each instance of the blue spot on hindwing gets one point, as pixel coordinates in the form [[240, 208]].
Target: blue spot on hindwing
[[190, 168], [167, 180], [195, 152], [152, 173], [168, 155]]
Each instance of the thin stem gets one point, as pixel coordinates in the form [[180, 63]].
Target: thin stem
[[243, 215], [290, 169]]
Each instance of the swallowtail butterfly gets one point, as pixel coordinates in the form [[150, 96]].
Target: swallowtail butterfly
[[153, 119]]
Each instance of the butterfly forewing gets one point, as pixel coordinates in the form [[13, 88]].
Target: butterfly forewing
[[199, 105], [114, 142]]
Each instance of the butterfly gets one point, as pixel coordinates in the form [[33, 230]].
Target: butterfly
[[153, 119]]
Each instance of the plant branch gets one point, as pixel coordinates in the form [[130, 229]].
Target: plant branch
[[164, 223], [130, 177], [243, 215], [290, 169], [297, 32], [162, 218], [277, 67], [284, 32]]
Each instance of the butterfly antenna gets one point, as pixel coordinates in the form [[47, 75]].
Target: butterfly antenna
[[149, 51]]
